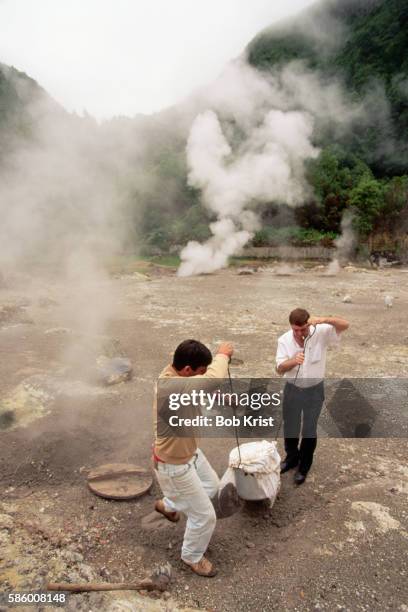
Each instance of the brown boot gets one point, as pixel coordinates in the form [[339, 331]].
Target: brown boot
[[170, 516], [204, 567]]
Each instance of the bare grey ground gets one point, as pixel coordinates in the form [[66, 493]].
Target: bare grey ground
[[337, 543]]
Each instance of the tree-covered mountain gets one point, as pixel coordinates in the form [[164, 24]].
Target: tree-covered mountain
[[363, 43], [360, 44], [65, 166], [22, 104]]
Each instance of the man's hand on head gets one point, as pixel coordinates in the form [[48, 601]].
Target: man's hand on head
[[225, 348], [316, 321], [339, 323]]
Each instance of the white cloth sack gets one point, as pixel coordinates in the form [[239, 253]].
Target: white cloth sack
[[261, 460]]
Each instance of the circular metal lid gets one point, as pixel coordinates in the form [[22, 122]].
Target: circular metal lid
[[119, 481]]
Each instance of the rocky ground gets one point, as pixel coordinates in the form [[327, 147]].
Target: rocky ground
[[337, 543]]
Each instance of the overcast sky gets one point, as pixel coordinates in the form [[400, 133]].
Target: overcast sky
[[115, 57]]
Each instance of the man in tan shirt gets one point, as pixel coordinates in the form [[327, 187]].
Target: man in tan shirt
[[185, 476]]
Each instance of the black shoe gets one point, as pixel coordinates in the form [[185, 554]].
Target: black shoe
[[288, 465], [299, 478]]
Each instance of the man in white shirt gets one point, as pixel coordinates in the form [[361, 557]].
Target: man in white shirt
[[301, 359]]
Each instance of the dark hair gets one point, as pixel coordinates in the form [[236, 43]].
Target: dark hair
[[191, 353], [299, 316]]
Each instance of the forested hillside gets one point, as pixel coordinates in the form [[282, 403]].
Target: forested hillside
[[22, 104], [360, 44], [364, 44]]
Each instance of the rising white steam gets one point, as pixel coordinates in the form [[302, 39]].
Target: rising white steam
[[214, 254], [348, 239], [251, 144], [345, 244], [60, 209], [267, 165]]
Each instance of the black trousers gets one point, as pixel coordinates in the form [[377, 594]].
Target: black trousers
[[298, 402]]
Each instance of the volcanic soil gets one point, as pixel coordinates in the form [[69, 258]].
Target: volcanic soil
[[338, 542]]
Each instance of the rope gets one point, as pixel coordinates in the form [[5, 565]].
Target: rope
[[233, 409], [296, 376], [281, 421]]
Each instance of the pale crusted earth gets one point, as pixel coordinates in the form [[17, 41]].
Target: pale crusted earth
[[337, 543]]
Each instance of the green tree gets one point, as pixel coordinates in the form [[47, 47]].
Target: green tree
[[367, 198], [333, 175]]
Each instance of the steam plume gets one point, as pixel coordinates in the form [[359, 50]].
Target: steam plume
[[266, 165], [345, 244], [61, 215], [251, 144]]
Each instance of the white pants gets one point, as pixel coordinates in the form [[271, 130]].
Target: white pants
[[188, 488]]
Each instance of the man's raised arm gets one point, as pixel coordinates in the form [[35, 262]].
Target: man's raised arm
[[338, 323]]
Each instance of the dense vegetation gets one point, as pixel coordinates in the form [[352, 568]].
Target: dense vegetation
[[364, 168], [367, 167]]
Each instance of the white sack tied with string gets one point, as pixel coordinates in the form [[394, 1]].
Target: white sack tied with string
[[257, 474]]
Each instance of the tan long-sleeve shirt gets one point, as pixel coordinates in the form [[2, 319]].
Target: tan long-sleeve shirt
[[181, 450]]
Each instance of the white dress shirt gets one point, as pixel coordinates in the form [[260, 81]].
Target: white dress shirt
[[320, 338]]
